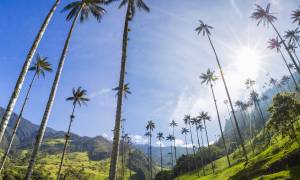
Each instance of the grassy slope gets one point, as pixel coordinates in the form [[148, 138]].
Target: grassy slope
[[257, 166], [97, 170]]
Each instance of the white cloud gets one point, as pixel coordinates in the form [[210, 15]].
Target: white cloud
[[138, 139], [101, 92]]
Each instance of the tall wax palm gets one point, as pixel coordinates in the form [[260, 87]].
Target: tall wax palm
[[275, 44], [209, 78], [25, 68], [232, 124], [293, 36], [160, 137], [79, 97], [296, 16], [197, 122], [187, 122], [130, 13], [173, 124], [265, 17], [148, 134], [205, 117], [150, 127], [185, 131], [78, 9], [40, 67], [194, 123], [273, 82], [239, 104], [285, 81], [205, 30], [171, 138]]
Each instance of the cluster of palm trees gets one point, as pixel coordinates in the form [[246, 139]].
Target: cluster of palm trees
[[81, 10]]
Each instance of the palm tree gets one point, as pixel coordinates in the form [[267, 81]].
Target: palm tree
[[40, 67], [293, 36], [78, 9], [171, 138], [285, 81], [150, 126], [126, 90], [130, 13], [79, 97], [275, 44], [197, 122], [148, 134], [185, 131], [187, 121], [274, 82], [25, 68], [204, 117], [266, 17], [209, 78], [160, 137], [292, 48], [296, 16], [173, 124], [205, 30], [123, 146], [232, 124]]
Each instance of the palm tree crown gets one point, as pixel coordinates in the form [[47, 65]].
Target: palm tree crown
[[274, 44], [203, 28], [41, 66], [186, 119], [296, 16], [126, 90], [184, 131], [263, 15], [85, 7], [249, 83], [140, 4], [208, 77], [173, 123], [292, 36], [79, 96], [160, 136], [150, 126], [170, 137]]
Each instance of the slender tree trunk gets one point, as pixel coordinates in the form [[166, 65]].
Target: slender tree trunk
[[26, 65], [160, 149], [186, 147], [175, 155], [116, 140], [17, 124], [220, 125], [199, 149], [229, 99], [123, 150], [208, 146], [42, 128], [286, 64], [233, 129], [66, 143], [286, 48], [203, 168], [150, 154], [194, 153]]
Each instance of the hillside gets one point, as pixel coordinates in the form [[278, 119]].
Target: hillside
[[87, 157]]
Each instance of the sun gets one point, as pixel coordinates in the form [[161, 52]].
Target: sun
[[247, 62]]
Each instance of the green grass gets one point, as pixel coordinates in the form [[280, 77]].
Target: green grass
[[257, 166]]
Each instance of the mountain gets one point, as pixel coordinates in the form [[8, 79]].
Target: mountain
[[87, 157]]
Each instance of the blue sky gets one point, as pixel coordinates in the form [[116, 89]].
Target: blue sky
[[165, 58]]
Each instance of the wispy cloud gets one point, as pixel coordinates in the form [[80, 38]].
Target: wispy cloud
[[101, 92], [235, 7]]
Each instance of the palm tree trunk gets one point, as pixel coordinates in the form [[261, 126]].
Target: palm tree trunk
[[175, 155], [172, 161], [116, 140], [229, 99], [203, 168], [150, 155], [199, 149], [194, 153], [208, 146], [17, 123], [50, 102], [286, 48], [160, 149], [186, 147], [66, 143], [220, 125], [285, 62], [233, 129], [26, 65]]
